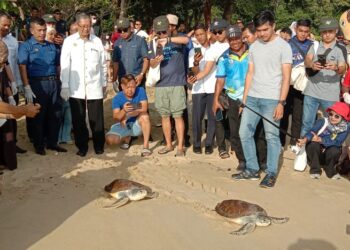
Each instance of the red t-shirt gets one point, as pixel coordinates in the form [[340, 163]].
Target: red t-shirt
[[115, 37]]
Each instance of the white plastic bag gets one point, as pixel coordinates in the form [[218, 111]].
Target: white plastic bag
[[300, 160], [153, 75], [298, 77]]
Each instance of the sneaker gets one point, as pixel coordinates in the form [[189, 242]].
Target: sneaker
[[336, 177], [246, 175], [241, 167], [268, 181], [315, 176]]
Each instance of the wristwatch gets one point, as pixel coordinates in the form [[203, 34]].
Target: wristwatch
[[283, 102]]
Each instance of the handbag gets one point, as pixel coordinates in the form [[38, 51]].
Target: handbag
[[153, 75], [298, 77]]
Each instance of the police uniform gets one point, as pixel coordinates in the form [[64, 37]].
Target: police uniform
[[41, 60]]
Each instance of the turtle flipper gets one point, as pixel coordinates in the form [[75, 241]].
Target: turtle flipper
[[247, 228], [118, 203], [152, 195], [279, 220]]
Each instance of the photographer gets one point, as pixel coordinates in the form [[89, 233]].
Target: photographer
[[130, 112]]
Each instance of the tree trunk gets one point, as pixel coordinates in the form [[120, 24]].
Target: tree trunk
[[207, 12], [122, 8], [228, 6]]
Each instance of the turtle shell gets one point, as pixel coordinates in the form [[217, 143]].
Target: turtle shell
[[122, 185], [238, 208]]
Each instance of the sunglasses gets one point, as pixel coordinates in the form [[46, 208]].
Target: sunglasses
[[218, 32], [123, 30], [161, 32], [332, 114]]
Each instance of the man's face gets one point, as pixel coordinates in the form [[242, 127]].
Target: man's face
[[84, 27], [138, 25], [302, 33], [34, 13], [201, 36], [162, 34], [125, 33], [220, 35], [265, 32], [129, 88], [172, 28], [5, 25], [38, 32], [285, 36], [248, 37], [328, 36], [57, 16], [236, 43]]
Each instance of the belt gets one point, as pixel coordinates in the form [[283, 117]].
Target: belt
[[44, 78]]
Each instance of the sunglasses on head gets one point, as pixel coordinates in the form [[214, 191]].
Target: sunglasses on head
[[161, 32], [335, 115], [218, 32], [123, 30]]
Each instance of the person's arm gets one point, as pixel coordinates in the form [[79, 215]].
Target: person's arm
[[176, 39], [286, 71], [219, 86], [24, 75], [145, 67], [207, 69], [119, 115], [65, 63], [29, 110], [103, 66], [248, 81]]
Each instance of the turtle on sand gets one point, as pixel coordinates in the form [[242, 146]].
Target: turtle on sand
[[126, 190], [247, 214]]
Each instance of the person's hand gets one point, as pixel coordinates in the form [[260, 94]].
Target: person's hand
[[128, 107], [317, 66], [278, 112], [346, 97], [331, 66], [12, 101], [28, 93], [216, 106], [315, 137], [58, 39], [198, 57], [191, 79], [14, 88], [65, 94], [31, 110], [139, 79], [158, 59], [302, 142], [162, 41]]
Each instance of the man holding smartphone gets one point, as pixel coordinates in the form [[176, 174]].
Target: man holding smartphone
[[323, 88], [130, 113]]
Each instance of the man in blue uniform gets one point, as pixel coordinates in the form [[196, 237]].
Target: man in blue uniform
[[38, 61]]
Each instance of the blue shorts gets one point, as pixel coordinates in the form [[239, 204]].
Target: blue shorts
[[131, 129]]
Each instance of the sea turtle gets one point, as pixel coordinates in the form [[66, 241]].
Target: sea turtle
[[126, 190], [247, 214]]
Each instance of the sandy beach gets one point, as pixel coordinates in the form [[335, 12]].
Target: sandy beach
[[55, 202]]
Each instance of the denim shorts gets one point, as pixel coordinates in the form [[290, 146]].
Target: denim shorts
[[131, 129]]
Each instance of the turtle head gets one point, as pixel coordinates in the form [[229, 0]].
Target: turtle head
[[137, 194], [263, 221]]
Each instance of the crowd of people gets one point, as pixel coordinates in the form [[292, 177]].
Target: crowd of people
[[245, 81]]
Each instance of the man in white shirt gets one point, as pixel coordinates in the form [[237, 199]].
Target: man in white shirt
[[138, 31], [83, 76]]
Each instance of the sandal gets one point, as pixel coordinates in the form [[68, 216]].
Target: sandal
[[145, 152], [165, 150], [224, 155], [180, 153], [125, 145]]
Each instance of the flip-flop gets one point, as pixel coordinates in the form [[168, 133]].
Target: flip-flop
[[165, 150], [145, 152], [180, 153], [224, 155]]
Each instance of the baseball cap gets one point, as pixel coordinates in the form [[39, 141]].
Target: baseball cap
[[160, 23], [49, 18], [328, 23], [234, 31], [219, 25], [123, 23], [174, 20]]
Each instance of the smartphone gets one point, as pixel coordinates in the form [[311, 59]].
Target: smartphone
[[159, 51], [322, 60], [218, 115], [197, 50], [136, 105], [190, 72]]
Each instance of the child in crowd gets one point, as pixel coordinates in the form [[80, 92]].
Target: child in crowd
[[324, 141]]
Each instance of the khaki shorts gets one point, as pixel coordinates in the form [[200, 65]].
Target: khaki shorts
[[170, 101]]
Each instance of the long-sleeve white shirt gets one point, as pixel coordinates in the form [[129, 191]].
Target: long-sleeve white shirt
[[83, 67], [12, 45]]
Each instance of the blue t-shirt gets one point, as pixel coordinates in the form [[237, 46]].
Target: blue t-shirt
[[304, 46], [172, 68], [120, 99], [234, 69]]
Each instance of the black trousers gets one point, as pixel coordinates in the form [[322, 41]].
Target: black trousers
[[8, 156], [234, 119], [201, 103], [46, 124], [80, 131], [318, 156], [294, 107]]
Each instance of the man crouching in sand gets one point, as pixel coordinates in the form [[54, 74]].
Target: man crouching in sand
[[130, 113]]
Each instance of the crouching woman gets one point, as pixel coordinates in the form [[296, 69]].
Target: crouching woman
[[324, 141]]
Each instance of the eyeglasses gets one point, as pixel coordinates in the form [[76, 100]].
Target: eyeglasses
[[332, 114], [123, 30], [137, 23], [85, 27], [161, 32], [218, 32]]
